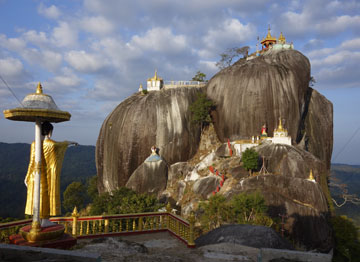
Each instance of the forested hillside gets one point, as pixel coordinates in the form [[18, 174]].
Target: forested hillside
[[78, 165]]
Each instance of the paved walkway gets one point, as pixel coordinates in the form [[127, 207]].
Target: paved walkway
[[164, 247]]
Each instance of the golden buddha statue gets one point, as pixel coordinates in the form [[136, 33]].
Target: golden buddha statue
[[51, 162]]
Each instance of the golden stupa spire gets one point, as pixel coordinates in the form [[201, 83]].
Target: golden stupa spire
[[311, 176], [269, 33], [269, 39], [282, 39], [280, 126], [155, 76], [39, 89]]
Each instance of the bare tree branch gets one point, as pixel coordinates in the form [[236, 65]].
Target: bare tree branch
[[344, 193]]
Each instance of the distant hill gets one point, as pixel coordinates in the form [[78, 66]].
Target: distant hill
[[349, 175], [78, 165]]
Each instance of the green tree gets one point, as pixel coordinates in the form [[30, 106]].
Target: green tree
[[215, 212], [201, 109], [74, 195], [312, 81], [250, 158], [123, 201], [228, 56], [91, 188], [250, 208], [245, 208], [347, 246], [199, 77]]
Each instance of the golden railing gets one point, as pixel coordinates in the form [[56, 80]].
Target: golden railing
[[124, 224], [11, 228]]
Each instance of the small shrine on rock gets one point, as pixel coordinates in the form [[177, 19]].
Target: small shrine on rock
[[155, 83], [280, 135], [311, 177], [154, 157]]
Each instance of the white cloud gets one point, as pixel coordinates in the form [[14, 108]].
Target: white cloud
[[338, 24], [11, 67], [231, 33], [51, 60], [68, 78], [320, 52], [97, 25], [351, 44], [161, 40], [320, 17], [84, 62], [37, 38], [64, 35], [51, 12], [337, 67], [63, 83], [13, 44]]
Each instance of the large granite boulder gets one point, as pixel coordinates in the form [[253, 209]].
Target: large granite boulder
[[302, 200], [276, 84], [139, 122], [206, 185], [317, 127], [150, 177], [292, 161], [247, 235]]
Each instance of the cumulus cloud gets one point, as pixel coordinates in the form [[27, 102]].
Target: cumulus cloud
[[51, 12], [160, 40], [37, 38], [64, 35], [319, 17], [63, 83], [231, 33], [84, 62], [11, 67], [338, 24], [13, 44], [337, 67], [351, 44], [97, 25]]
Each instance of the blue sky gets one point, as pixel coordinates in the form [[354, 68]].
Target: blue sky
[[90, 55]]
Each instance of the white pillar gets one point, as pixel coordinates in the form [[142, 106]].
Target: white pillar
[[36, 198]]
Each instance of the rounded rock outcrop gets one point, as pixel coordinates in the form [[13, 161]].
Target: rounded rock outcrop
[[275, 85], [159, 118]]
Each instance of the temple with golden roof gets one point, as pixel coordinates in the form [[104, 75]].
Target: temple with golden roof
[[271, 42]]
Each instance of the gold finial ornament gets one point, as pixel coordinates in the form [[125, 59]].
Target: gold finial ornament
[[75, 212], [39, 89]]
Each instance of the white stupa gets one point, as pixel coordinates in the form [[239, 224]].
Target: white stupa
[[155, 83], [281, 135]]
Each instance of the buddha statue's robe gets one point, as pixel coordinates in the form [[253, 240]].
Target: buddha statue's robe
[[51, 162]]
